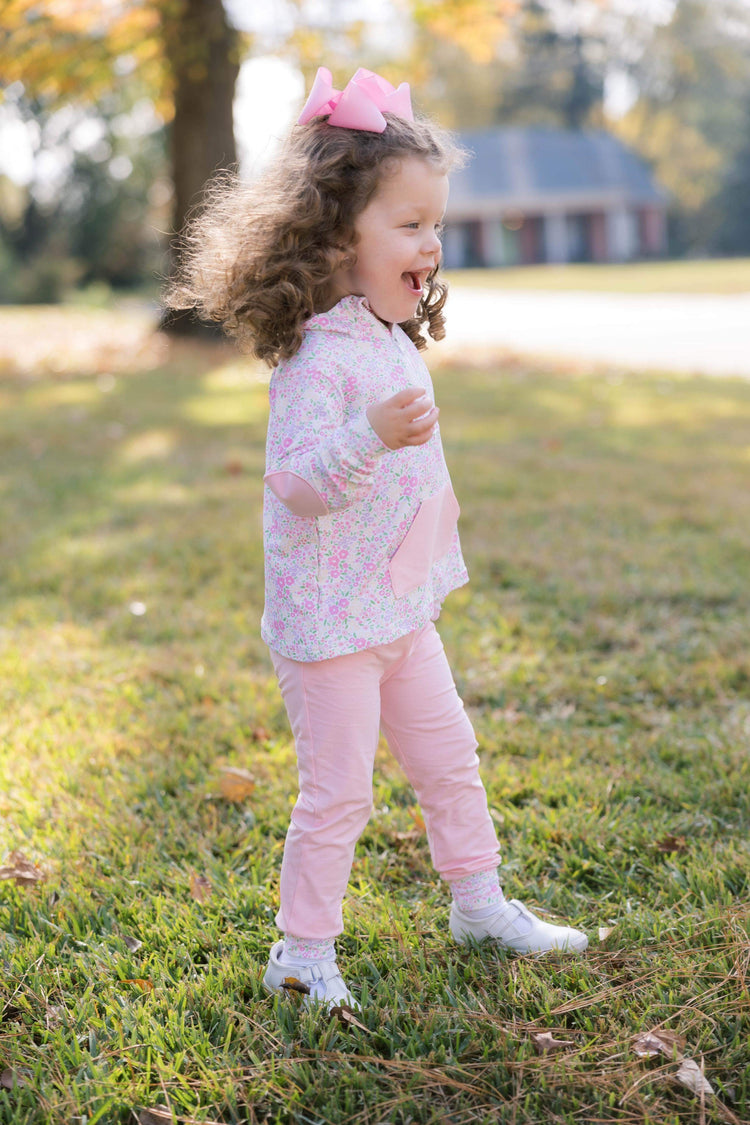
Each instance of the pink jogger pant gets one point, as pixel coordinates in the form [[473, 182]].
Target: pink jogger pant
[[336, 708]]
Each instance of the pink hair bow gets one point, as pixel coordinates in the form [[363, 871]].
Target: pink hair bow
[[360, 105]]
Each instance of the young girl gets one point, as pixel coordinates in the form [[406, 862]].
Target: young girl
[[328, 269]]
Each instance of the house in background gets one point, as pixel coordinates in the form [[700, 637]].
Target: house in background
[[536, 195]]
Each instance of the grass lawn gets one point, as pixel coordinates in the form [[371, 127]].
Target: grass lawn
[[601, 647], [711, 275]]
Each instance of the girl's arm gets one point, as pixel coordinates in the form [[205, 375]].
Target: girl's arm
[[317, 462]]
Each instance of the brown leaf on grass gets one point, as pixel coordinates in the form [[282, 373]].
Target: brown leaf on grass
[[651, 1043], [260, 734], [160, 1115], [23, 872], [233, 468], [416, 815], [670, 844], [200, 888], [691, 1075], [156, 1116], [144, 985], [292, 984], [545, 1042], [11, 1078], [236, 784], [346, 1017]]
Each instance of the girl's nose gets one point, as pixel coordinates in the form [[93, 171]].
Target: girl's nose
[[431, 243]]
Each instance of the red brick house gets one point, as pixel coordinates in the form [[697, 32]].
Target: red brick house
[[536, 195]]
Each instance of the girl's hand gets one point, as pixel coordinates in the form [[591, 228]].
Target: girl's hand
[[406, 419]]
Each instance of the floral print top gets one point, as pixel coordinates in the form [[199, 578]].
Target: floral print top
[[361, 544]]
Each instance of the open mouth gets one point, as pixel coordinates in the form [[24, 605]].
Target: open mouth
[[414, 282]]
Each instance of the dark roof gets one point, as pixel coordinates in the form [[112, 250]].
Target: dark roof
[[514, 163]]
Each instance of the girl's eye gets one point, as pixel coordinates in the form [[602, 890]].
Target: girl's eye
[[439, 228]]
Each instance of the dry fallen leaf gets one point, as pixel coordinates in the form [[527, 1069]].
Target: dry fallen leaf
[[604, 932], [344, 1014], [10, 1078], [200, 888], [672, 844], [545, 1042], [692, 1076], [236, 784], [416, 815], [156, 1116], [21, 870], [160, 1115], [146, 985], [651, 1043], [292, 984], [132, 943]]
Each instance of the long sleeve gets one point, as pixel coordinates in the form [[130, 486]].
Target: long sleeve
[[317, 462]]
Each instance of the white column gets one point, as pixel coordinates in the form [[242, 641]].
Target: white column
[[621, 234], [556, 237], [494, 247]]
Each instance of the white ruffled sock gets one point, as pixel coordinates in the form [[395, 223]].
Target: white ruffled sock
[[479, 895], [298, 952]]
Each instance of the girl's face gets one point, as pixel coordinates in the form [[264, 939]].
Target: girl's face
[[398, 241]]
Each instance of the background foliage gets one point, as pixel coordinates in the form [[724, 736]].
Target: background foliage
[[74, 70]]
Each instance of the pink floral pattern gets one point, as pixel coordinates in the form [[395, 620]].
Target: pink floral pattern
[[328, 589]]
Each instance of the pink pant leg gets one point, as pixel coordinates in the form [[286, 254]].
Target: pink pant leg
[[429, 733], [334, 711]]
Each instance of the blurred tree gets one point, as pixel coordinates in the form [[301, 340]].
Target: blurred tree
[[475, 27], [529, 71], [733, 199], [184, 53], [91, 212], [693, 78], [558, 80]]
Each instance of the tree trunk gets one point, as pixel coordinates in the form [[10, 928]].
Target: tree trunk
[[203, 55]]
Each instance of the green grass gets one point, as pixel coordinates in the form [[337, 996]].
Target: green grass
[[705, 275], [601, 648]]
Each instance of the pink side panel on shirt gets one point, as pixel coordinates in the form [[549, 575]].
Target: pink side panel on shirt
[[428, 539], [296, 493]]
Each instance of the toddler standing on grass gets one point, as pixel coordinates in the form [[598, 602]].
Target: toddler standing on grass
[[329, 270]]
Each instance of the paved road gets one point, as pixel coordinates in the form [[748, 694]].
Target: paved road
[[674, 332]]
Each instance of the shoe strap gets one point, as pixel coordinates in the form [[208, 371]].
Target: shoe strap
[[318, 970], [521, 912], [328, 970]]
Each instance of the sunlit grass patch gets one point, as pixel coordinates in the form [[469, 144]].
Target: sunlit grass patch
[[601, 649]]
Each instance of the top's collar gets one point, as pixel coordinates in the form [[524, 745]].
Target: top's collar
[[351, 316]]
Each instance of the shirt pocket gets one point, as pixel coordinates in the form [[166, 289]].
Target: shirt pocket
[[428, 539]]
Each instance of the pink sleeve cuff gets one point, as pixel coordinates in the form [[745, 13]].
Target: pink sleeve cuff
[[296, 493]]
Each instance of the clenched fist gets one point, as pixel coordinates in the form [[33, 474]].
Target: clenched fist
[[408, 418]]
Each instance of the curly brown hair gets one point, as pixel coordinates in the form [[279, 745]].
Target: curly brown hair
[[259, 258]]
